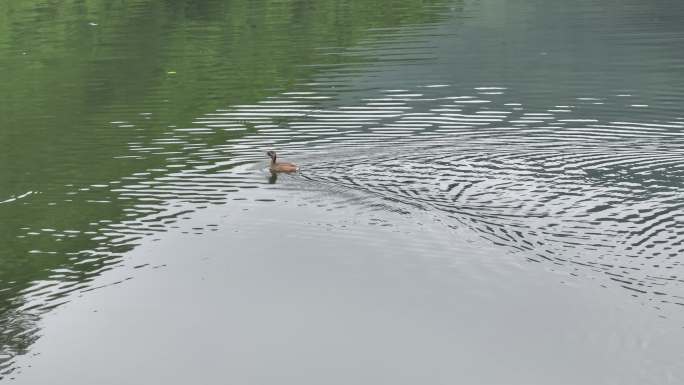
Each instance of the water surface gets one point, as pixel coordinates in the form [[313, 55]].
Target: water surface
[[547, 136]]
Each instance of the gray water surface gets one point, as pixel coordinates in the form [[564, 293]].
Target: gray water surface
[[490, 193]]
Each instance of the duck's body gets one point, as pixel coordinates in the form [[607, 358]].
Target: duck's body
[[280, 166]]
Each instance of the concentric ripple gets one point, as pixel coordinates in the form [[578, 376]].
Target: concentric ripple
[[604, 198], [586, 196], [589, 197]]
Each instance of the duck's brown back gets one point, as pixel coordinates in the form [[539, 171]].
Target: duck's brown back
[[284, 167]]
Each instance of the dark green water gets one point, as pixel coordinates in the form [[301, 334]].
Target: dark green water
[[550, 131]]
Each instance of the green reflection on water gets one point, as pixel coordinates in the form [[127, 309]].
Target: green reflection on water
[[71, 68]]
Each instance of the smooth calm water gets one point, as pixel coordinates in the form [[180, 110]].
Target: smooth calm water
[[491, 191]]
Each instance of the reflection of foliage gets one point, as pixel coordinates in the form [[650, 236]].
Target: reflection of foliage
[[18, 333], [72, 67]]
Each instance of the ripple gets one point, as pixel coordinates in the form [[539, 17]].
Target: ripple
[[589, 196], [17, 197], [581, 193]]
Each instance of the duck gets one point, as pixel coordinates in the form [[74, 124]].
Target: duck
[[280, 166]]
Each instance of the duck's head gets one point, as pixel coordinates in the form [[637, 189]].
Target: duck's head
[[271, 154]]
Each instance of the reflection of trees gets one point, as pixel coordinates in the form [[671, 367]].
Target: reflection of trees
[[18, 333], [71, 67]]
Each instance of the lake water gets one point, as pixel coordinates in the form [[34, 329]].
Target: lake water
[[491, 192]]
